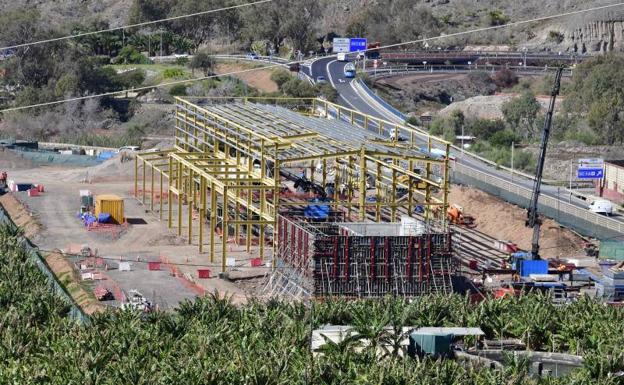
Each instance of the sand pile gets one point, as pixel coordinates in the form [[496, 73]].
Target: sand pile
[[110, 170], [506, 221]]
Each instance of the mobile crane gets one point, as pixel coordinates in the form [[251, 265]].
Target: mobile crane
[[533, 220]]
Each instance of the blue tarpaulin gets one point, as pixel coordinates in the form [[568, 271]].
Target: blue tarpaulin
[[104, 218], [106, 155]]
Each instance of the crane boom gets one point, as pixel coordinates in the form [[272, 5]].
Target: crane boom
[[533, 220]]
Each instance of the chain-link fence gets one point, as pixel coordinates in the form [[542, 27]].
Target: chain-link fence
[[75, 312]]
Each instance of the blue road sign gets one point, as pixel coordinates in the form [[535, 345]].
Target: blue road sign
[[590, 173], [357, 44]]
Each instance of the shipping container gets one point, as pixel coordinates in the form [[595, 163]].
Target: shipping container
[[528, 267], [111, 204]]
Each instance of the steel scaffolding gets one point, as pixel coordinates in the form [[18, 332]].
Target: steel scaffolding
[[233, 160]]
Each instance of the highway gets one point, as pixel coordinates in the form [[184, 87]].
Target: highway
[[352, 96]]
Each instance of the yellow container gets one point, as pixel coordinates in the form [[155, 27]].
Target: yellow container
[[111, 204]]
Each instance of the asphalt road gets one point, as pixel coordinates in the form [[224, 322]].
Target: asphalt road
[[332, 70]]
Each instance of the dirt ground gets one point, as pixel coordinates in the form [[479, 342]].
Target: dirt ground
[[491, 106], [147, 239], [505, 221], [260, 79]]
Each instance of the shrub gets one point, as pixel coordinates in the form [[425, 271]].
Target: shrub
[[182, 61], [555, 37], [503, 138], [497, 17], [130, 55], [327, 91], [172, 73], [280, 77], [413, 120], [505, 78], [178, 90]]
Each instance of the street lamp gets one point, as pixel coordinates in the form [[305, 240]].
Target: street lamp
[[424, 65]]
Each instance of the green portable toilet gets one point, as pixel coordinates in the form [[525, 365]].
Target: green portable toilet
[[432, 344]]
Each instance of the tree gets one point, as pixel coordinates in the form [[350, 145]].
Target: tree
[[597, 93], [280, 77], [130, 55], [505, 78], [204, 61], [521, 114]]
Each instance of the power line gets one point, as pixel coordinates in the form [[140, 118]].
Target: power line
[[301, 61], [124, 27]]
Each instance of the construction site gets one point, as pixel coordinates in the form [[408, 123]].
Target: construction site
[[293, 188], [298, 199]]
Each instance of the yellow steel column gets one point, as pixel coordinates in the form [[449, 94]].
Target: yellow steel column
[[363, 175], [152, 188], [410, 193], [180, 172], [170, 194], [393, 195], [248, 226], [213, 220], [202, 212], [225, 229], [143, 182], [446, 183], [160, 213], [190, 201], [262, 210], [350, 187], [428, 187], [136, 176], [378, 194], [276, 198]]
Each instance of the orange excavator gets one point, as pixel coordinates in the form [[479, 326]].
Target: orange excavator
[[455, 215]]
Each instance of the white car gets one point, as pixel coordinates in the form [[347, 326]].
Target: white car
[[601, 206]]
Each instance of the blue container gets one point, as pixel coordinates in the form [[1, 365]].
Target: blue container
[[23, 186], [528, 267], [104, 218]]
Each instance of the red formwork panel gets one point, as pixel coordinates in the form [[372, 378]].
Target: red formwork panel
[[341, 263], [256, 262], [203, 273], [153, 266]]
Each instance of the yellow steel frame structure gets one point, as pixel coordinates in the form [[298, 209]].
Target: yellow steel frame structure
[[228, 162]]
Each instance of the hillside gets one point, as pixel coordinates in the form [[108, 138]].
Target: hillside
[[594, 32]]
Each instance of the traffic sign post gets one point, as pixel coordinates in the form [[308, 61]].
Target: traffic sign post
[[341, 45], [590, 168], [357, 44]]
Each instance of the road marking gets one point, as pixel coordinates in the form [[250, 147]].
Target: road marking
[[329, 75]]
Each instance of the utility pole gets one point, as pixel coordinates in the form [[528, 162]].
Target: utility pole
[[512, 160], [161, 43]]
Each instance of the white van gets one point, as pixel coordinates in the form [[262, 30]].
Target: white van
[[601, 206]]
